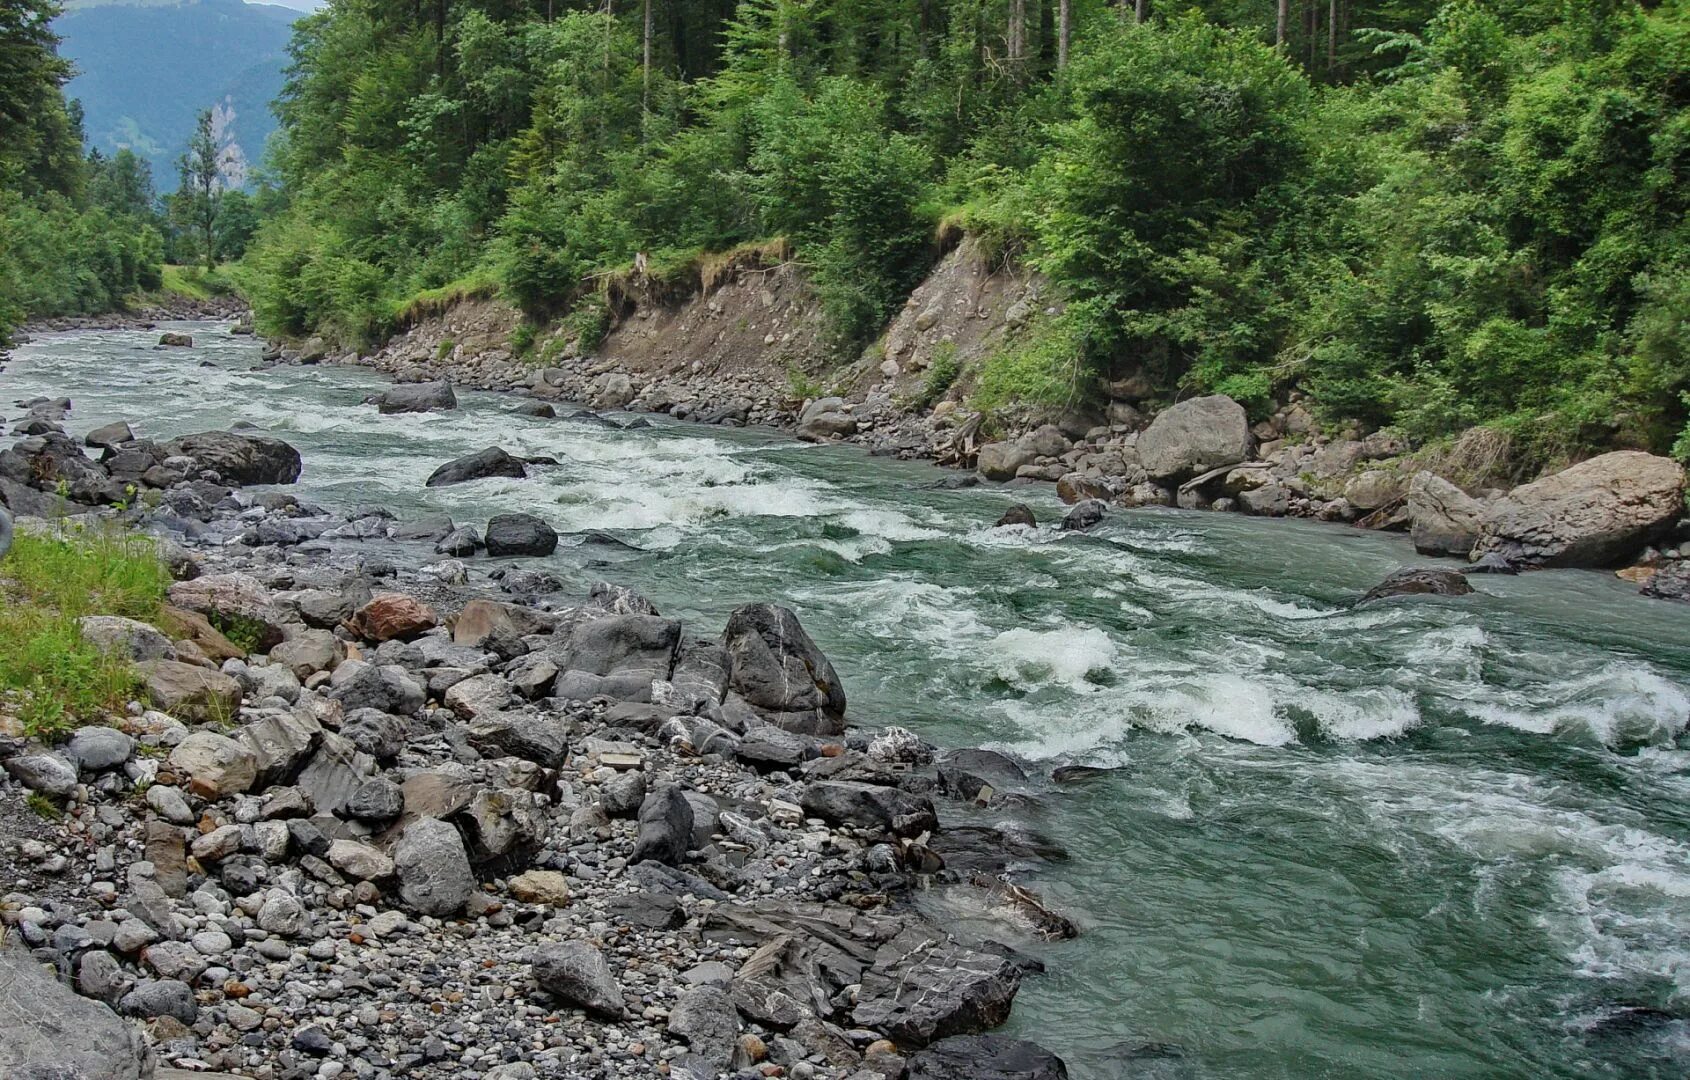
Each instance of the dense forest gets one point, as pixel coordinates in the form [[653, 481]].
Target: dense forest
[[75, 230]]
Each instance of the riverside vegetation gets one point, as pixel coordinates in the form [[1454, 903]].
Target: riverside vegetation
[[1422, 216]]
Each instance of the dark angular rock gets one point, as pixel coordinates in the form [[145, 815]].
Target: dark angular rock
[[1084, 515], [665, 827], [519, 534], [493, 461], [1420, 581], [869, 806], [415, 397], [239, 459], [578, 973], [773, 665], [1019, 514]]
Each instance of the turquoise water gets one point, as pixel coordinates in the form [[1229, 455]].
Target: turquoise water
[[1434, 838]]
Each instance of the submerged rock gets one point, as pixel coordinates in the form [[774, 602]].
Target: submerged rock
[[1019, 514], [520, 534], [1420, 581], [415, 397], [985, 1057], [493, 461]]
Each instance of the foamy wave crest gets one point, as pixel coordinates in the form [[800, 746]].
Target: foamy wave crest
[[1031, 658], [1617, 704], [1373, 713]]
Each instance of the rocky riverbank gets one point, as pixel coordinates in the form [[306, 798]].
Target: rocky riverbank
[[1623, 510], [147, 316], [369, 819]]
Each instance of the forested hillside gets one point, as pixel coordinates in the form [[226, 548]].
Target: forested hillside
[[77, 233], [1427, 215], [144, 73]]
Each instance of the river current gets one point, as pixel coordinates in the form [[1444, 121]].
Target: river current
[[1432, 838]]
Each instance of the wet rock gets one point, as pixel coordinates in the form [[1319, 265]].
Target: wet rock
[[665, 831], [214, 764], [433, 867], [461, 542], [47, 1031], [1670, 582], [1420, 581], [824, 419], [392, 617], [176, 341], [110, 436], [492, 461], [415, 397], [239, 459], [1084, 515], [877, 809], [577, 973], [774, 666], [1195, 436], [519, 534], [924, 987], [985, 1057], [1596, 513], [1018, 514], [1077, 488]]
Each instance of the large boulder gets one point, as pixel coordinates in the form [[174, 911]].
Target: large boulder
[[519, 534], [415, 397], [1443, 519], [48, 1032], [129, 639], [239, 459], [433, 867], [775, 667], [233, 602], [886, 810], [492, 461], [665, 827], [824, 419], [1001, 460], [1195, 436], [1596, 513]]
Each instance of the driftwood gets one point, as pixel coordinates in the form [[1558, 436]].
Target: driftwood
[[1381, 517], [1198, 481]]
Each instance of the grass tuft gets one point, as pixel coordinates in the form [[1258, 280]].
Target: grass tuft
[[47, 582]]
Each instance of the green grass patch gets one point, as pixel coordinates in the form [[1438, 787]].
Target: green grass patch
[[1047, 366], [477, 285], [53, 678], [196, 282]]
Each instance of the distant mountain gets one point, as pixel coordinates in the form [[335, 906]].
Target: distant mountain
[[147, 67]]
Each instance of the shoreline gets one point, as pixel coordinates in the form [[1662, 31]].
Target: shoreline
[[763, 822]]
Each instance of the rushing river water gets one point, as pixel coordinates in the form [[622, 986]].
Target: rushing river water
[[1434, 838]]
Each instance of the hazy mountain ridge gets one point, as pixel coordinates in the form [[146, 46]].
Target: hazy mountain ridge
[[145, 69]]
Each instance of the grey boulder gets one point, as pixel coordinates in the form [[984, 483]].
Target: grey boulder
[[1195, 436], [578, 973], [44, 1025]]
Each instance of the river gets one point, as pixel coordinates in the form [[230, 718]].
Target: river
[[1427, 838]]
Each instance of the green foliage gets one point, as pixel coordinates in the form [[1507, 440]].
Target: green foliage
[[47, 582], [1470, 211], [588, 324], [942, 371], [522, 338], [1047, 365]]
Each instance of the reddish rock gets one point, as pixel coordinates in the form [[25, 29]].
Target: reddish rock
[[392, 616]]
